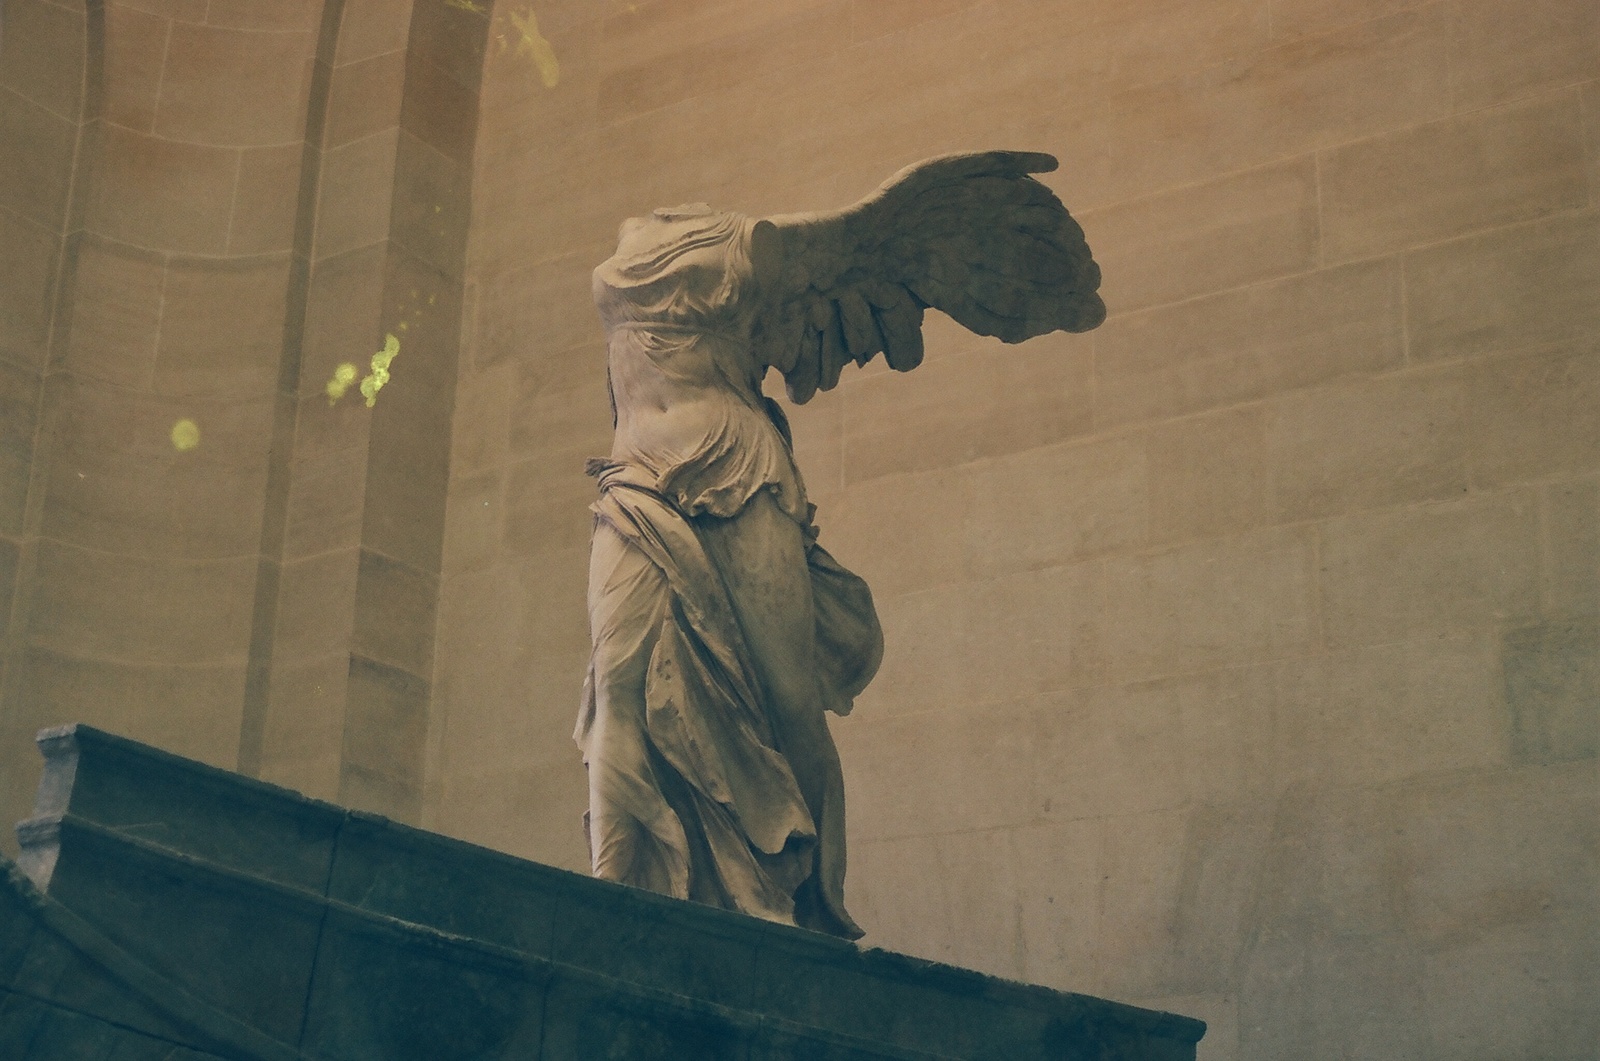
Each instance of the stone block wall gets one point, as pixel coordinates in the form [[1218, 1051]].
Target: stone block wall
[[207, 207], [1243, 656], [44, 110], [137, 542]]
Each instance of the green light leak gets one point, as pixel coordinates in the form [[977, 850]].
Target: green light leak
[[533, 44], [529, 41], [343, 376], [185, 435], [380, 370], [371, 384]]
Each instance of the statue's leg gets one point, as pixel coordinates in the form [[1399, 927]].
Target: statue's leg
[[636, 836], [762, 556]]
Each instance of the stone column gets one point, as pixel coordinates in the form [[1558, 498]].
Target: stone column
[[342, 659], [196, 549]]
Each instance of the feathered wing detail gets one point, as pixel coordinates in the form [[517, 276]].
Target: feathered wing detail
[[971, 235]]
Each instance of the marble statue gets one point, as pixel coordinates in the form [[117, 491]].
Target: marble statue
[[723, 632]]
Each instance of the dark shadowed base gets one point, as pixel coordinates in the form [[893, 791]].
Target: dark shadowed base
[[168, 911]]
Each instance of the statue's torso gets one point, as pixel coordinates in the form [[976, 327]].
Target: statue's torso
[[684, 381]]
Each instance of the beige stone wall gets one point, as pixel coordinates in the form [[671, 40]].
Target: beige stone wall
[[43, 53], [138, 558], [206, 206], [1243, 654]]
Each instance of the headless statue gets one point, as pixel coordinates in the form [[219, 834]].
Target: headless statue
[[723, 632]]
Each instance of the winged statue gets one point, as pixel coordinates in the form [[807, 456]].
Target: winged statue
[[723, 632]]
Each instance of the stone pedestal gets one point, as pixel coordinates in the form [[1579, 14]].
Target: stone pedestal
[[164, 909]]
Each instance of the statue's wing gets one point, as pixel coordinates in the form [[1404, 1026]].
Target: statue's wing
[[972, 235]]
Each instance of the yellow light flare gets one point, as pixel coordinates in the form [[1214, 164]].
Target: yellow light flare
[[380, 370], [535, 46], [185, 435], [343, 376]]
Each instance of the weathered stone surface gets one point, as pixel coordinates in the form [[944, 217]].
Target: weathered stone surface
[[365, 97], [1039, 631], [1248, 343], [1503, 54], [986, 401], [163, 193], [1506, 289], [1524, 414], [42, 56], [136, 37], [203, 69], [349, 215], [1433, 570], [1553, 691], [28, 263], [1274, 103], [1439, 180], [116, 312], [35, 173], [19, 405], [1572, 565], [1239, 229], [1368, 444], [1209, 475]]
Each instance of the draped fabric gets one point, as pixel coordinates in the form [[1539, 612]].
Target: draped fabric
[[685, 388], [721, 630]]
